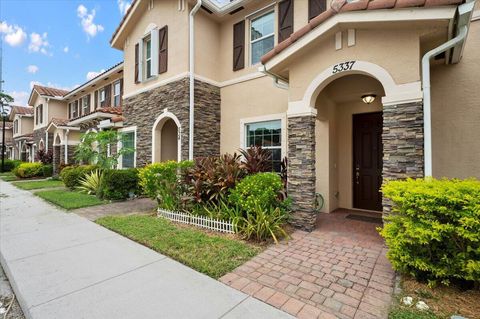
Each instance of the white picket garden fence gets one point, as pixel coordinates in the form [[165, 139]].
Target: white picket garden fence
[[200, 221]]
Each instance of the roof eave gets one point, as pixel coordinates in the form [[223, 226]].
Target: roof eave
[[387, 15]]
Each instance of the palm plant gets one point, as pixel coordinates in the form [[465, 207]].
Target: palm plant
[[91, 183]]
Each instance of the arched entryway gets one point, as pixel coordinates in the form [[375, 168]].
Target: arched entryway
[[166, 138], [348, 137], [322, 134]]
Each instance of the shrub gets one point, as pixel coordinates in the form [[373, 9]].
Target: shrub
[[28, 170], [160, 181], [433, 232], [71, 175], [212, 177], [256, 160], [118, 184], [46, 157], [47, 170], [9, 165], [91, 182], [260, 190]]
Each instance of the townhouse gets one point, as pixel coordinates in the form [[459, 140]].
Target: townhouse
[[8, 139], [22, 136], [352, 92]]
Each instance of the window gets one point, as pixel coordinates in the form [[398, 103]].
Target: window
[[39, 114], [75, 109], [262, 36], [128, 141], [15, 127], [268, 135], [101, 97], [148, 57], [116, 94], [85, 104]]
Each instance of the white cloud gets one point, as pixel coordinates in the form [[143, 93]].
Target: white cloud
[[32, 69], [123, 6], [19, 97], [88, 25], [65, 49], [39, 43], [92, 74], [14, 35]]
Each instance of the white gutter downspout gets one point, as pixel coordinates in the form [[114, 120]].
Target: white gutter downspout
[[276, 79], [192, 76], [65, 155], [427, 117]]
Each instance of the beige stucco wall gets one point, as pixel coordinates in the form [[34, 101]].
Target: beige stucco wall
[[164, 12], [25, 125], [395, 50], [51, 108], [57, 109], [246, 100], [207, 46], [456, 113]]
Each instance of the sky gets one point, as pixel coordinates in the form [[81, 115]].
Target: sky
[[59, 43]]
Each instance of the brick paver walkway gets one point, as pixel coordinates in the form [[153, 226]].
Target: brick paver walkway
[[337, 271]]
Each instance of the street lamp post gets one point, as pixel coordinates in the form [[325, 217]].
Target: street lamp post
[[4, 115]]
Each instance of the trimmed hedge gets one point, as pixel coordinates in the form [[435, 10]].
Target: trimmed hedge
[[433, 232], [47, 170], [119, 184], [71, 175], [9, 165], [28, 170]]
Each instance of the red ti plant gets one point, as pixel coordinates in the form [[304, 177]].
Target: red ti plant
[[256, 160]]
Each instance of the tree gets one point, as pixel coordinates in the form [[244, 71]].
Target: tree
[[98, 148], [5, 99]]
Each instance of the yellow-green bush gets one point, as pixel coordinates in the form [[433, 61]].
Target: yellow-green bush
[[160, 181], [433, 232], [28, 170]]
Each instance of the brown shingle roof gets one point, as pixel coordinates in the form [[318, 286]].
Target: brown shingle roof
[[23, 110], [339, 6], [48, 91], [59, 122]]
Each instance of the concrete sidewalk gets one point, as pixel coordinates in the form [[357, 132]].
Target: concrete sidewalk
[[63, 266]]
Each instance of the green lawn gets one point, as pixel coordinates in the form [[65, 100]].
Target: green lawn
[[39, 184], [212, 255], [8, 176], [404, 313], [69, 199]]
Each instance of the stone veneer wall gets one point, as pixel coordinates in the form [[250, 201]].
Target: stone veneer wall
[[402, 143], [56, 159], [39, 135], [142, 110], [301, 170], [70, 155]]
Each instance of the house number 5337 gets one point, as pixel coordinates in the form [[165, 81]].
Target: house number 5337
[[344, 66]]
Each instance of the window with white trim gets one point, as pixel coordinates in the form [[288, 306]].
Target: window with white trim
[[262, 36], [116, 94], [268, 135], [148, 56], [85, 104], [128, 141], [101, 97], [15, 127]]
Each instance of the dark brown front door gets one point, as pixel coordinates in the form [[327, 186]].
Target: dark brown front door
[[367, 161]]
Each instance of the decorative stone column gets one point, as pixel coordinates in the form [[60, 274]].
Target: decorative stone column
[[402, 143], [56, 160], [301, 170]]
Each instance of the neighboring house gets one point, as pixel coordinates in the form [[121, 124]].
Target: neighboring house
[[346, 105], [47, 103], [22, 119], [8, 139]]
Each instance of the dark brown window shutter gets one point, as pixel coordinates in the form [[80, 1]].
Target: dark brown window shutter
[[163, 50], [108, 95], [239, 45], [315, 7], [136, 63], [285, 19]]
